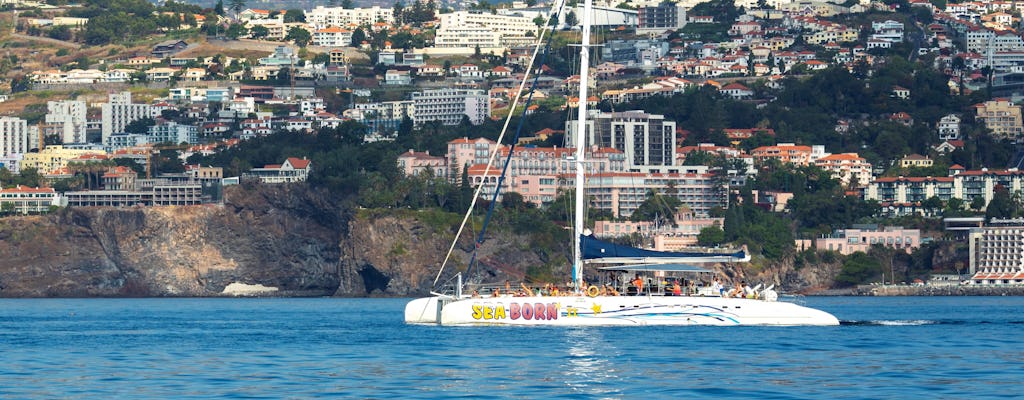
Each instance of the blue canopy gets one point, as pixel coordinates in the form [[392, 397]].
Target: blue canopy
[[599, 251]]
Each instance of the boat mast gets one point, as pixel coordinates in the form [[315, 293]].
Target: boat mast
[[581, 142]]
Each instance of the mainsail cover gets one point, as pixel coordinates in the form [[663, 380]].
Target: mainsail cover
[[601, 252]]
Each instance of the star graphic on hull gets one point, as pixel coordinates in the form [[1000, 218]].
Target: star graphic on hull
[[596, 308]]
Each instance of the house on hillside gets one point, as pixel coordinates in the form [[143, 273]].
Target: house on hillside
[[293, 169], [168, 48]]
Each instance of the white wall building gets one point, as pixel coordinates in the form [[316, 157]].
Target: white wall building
[[949, 127], [67, 119], [15, 136], [119, 111], [450, 105], [322, 17], [504, 25]]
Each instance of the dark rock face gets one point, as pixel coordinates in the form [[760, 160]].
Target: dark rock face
[[278, 236]]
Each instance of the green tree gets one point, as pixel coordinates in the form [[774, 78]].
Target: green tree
[[570, 19], [294, 15], [300, 36], [657, 208], [711, 236], [259, 32], [219, 8], [358, 36], [857, 269], [237, 6], [1003, 205], [236, 31]]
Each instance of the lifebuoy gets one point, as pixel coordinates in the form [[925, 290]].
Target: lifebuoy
[[593, 291]]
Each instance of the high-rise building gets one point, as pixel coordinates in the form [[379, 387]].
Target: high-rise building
[[663, 17], [67, 120], [648, 140], [15, 136], [119, 111]]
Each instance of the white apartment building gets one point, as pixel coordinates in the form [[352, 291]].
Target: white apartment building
[[504, 25], [118, 112], [949, 127], [850, 168], [984, 40], [15, 136], [467, 37], [648, 140], [67, 119], [450, 105], [332, 36], [323, 17]]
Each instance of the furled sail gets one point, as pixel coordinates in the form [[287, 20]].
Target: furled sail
[[601, 252]]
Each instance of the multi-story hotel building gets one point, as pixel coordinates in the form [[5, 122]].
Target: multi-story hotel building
[[332, 36], [660, 18], [1002, 117], [450, 105], [67, 119], [648, 140], [322, 17], [504, 25], [997, 253], [119, 111], [622, 192], [788, 153], [862, 237], [965, 186], [15, 136], [467, 37], [535, 173]]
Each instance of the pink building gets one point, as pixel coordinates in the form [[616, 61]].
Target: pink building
[[467, 152], [534, 171], [413, 163], [862, 237]]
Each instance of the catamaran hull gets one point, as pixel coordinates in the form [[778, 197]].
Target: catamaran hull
[[614, 311]]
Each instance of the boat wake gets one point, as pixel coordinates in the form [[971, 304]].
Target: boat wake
[[898, 322]]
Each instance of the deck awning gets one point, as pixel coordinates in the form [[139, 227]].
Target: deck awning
[[655, 267]]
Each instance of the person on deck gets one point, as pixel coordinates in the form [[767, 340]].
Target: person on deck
[[639, 284], [677, 290], [717, 286]]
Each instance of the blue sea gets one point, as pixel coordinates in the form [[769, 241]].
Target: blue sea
[[887, 348]]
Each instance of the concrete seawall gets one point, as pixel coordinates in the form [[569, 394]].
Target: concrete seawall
[[943, 290]]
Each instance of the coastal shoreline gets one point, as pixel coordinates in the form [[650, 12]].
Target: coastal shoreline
[[925, 290]]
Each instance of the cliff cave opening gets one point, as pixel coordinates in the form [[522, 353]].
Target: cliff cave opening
[[373, 279]]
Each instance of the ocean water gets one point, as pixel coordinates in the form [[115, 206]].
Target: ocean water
[[887, 348]]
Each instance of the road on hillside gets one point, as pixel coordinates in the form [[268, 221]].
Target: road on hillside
[[42, 39], [269, 46]]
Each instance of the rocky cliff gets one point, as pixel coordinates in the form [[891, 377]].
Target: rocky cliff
[[274, 240]]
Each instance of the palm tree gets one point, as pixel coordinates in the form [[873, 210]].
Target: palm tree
[[237, 6]]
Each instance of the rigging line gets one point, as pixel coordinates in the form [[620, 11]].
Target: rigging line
[[508, 161], [508, 119]]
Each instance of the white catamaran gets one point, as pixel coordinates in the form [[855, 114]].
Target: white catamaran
[[594, 306]]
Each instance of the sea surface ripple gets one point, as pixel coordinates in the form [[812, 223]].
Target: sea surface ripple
[[886, 348]]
